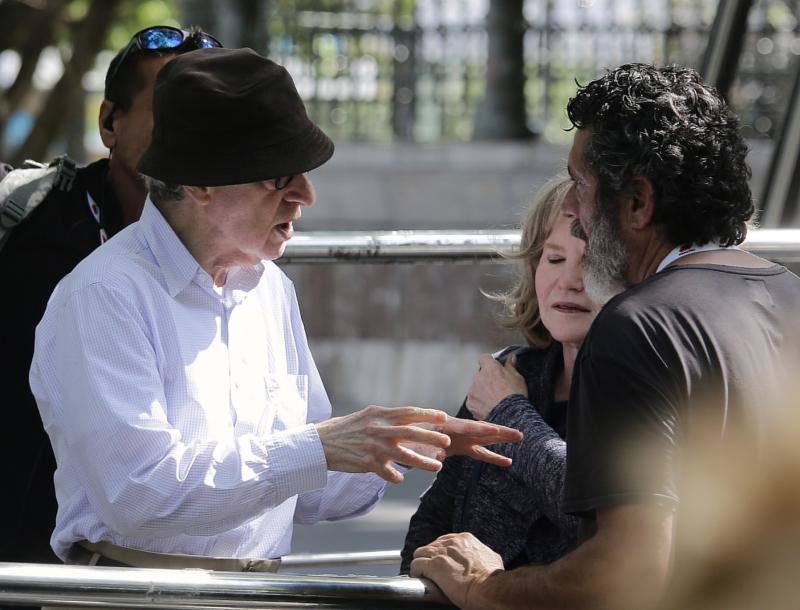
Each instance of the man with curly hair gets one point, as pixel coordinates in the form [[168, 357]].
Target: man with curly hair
[[694, 337]]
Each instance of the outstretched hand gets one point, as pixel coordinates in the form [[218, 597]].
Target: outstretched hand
[[372, 439], [468, 438]]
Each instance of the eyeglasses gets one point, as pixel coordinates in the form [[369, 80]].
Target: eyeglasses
[[162, 38], [282, 182]]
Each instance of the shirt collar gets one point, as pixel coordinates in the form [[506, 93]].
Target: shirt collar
[[238, 284], [175, 261]]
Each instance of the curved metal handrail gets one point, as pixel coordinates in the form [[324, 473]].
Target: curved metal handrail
[[320, 247], [104, 587]]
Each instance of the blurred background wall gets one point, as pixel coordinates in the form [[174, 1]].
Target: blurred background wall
[[446, 114]]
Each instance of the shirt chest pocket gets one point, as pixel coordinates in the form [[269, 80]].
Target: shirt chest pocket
[[287, 402]]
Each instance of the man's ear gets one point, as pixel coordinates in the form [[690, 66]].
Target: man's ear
[[199, 194], [642, 203], [105, 121]]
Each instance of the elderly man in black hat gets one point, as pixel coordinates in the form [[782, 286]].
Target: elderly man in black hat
[[172, 370]]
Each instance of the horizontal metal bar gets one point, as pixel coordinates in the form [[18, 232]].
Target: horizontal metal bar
[[316, 247], [102, 587], [305, 560], [397, 246]]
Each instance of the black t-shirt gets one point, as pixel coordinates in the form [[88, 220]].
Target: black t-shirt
[[692, 343]]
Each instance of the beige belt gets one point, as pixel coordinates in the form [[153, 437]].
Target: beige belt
[[148, 559]]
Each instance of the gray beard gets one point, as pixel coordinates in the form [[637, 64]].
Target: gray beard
[[605, 262]]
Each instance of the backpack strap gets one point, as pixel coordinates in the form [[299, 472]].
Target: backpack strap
[[22, 190]]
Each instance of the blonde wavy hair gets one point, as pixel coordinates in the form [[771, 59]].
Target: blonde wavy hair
[[520, 303]]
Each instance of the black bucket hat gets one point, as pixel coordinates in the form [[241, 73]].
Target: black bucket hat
[[229, 116]]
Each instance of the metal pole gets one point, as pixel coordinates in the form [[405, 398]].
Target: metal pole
[[721, 58], [67, 585], [397, 246], [784, 164], [779, 245], [306, 560]]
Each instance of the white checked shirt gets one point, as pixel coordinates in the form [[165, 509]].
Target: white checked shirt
[[180, 413]]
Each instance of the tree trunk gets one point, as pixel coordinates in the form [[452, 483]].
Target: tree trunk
[[501, 115], [75, 130], [204, 15], [40, 27], [236, 23], [32, 30], [254, 15], [404, 74], [88, 38], [404, 83]]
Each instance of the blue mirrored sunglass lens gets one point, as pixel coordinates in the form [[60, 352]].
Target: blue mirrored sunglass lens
[[159, 38], [206, 42]]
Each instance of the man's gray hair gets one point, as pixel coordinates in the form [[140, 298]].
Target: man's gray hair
[[163, 192]]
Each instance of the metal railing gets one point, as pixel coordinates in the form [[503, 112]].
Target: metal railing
[[308, 560], [104, 587], [397, 246], [779, 245]]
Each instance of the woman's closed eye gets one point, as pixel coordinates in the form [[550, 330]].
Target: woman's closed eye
[[554, 260]]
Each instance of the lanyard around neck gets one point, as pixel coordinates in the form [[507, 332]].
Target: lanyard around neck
[[687, 249], [95, 210]]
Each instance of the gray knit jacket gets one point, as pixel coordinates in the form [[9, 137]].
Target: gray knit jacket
[[515, 511]]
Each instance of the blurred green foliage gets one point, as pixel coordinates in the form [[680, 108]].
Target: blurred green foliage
[[136, 15]]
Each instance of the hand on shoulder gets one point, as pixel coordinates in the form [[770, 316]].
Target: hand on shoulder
[[492, 383]]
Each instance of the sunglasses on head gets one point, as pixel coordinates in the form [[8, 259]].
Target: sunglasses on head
[[163, 38]]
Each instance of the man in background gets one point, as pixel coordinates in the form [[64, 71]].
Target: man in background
[[95, 203]]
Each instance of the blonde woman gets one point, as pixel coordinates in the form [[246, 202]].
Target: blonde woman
[[516, 511]]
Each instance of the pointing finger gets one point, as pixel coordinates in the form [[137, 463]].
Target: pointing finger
[[484, 433], [406, 456], [410, 415], [413, 434], [490, 457]]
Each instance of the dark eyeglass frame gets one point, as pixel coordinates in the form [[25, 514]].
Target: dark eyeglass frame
[[282, 182], [139, 43]]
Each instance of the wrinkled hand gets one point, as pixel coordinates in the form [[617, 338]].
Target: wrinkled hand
[[492, 383], [370, 439], [459, 564], [469, 437]]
